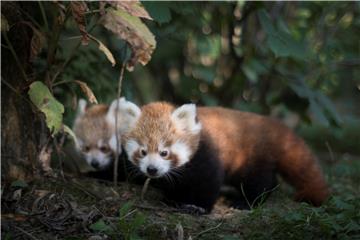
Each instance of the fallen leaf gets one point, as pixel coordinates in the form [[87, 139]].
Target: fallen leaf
[[17, 195], [105, 50], [133, 31], [133, 7], [88, 92], [45, 159], [78, 9]]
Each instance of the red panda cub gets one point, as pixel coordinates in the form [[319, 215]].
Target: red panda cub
[[192, 152], [168, 145], [95, 132]]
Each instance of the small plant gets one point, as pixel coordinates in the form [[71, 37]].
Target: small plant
[[128, 225]]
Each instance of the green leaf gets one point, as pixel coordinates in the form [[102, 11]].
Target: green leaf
[[4, 24], [329, 106], [204, 73], [159, 11], [279, 40], [138, 221], [100, 226], [19, 183], [318, 112], [266, 23], [125, 208], [42, 98]]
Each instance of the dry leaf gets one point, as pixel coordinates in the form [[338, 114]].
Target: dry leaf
[[88, 92], [45, 159], [133, 7], [132, 30], [62, 12], [105, 50], [37, 41], [78, 9]]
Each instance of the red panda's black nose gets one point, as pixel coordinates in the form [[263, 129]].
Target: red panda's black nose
[[151, 170], [95, 163]]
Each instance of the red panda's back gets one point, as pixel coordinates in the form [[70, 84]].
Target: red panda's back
[[247, 141]]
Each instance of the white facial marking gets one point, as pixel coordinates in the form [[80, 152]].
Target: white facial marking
[[182, 151], [81, 107], [131, 147], [112, 144], [154, 160], [103, 160]]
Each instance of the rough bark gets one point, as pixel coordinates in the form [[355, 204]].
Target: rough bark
[[21, 126]]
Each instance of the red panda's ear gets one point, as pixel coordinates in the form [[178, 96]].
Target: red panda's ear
[[185, 119], [81, 107], [127, 114]]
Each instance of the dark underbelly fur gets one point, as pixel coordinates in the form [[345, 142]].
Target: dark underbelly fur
[[197, 183]]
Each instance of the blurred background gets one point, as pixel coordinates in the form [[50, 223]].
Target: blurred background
[[297, 61]]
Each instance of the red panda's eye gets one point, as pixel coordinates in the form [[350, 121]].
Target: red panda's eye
[[143, 152], [104, 149], [86, 148], [164, 153]]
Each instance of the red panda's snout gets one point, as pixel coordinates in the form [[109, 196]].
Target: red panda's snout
[[164, 160]]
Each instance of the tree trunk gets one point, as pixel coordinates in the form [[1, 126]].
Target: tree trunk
[[21, 127]]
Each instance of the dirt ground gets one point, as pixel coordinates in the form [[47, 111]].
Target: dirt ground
[[84, 208]]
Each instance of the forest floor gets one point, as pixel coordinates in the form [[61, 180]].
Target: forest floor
[[75, 208]]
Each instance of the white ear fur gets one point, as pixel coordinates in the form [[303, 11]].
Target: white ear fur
[[184, 118], [81, 107], [127, 113]]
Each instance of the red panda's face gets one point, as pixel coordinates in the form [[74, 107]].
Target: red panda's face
[[163, 138], [95, 132]]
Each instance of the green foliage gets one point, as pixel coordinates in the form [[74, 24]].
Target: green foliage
[[159, 11], [42, 98], [130, 228], [101, 226], [252, 56], [128, 225], [19, 184], [279, 40]]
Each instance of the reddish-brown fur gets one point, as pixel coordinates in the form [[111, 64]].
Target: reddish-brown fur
[[155, 125], [92, 125], [242, 138]]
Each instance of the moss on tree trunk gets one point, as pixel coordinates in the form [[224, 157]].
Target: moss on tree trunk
[[22, 129]]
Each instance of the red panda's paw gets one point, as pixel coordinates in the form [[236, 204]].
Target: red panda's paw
[[192, 209]]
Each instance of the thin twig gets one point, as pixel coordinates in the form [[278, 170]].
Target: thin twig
[[26, 233], [243, 193], [144, 189], [70, 57], [330, 151], [44, 15], [116, 163], [80, 187], [111, 224], [208, 230]]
